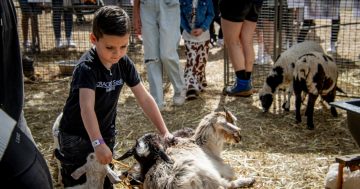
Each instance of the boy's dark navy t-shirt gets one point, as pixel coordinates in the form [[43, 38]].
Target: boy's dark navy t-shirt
[[91, 73]]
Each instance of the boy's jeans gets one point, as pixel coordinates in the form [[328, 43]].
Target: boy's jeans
[[160, 21]]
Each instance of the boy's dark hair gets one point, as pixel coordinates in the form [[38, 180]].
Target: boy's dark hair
[[110, 20]]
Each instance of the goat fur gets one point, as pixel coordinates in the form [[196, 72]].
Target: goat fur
[[195, 162], [315, 74]]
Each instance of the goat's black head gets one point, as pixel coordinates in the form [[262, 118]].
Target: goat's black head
[[146, 151], [266, 100]]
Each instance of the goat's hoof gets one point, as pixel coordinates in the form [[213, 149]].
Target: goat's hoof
[[333, 112], [285, 107], [245, 182]]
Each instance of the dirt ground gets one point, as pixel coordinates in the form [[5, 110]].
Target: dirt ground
[[275, 151]]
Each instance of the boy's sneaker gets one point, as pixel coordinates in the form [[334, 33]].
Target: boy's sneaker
[[179, 98]]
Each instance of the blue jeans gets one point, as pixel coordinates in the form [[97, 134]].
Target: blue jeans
[[58, 10], [160, 21]]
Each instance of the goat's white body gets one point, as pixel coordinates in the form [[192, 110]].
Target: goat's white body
[[95, 174], [307, 67], [351, 179], [55, 133], [197, 162]]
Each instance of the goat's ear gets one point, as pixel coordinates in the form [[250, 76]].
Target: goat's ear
[[229, 116], [129, 153], [165, 157]]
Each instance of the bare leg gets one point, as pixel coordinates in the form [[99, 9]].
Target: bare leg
[[237, 46], [231, 32], [247, 33]]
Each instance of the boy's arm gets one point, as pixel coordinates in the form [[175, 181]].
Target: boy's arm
[[91, 124], [148, 104]]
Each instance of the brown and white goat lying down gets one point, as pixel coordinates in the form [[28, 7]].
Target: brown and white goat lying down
[[316, 74], [193, 162]]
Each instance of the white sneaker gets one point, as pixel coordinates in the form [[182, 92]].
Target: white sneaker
[[220, 42], [179, 98], [27, 44], [267, 59], [332, 48], [70, 43], [58, 43]]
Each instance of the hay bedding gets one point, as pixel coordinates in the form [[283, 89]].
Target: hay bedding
[[275, 150]]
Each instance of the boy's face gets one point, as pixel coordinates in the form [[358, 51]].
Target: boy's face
[[110, 48]]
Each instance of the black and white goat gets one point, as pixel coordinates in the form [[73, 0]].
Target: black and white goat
[[316, 74], [281, 74], [192, 162]]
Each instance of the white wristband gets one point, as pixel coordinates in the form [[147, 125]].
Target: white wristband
[[97, 142]]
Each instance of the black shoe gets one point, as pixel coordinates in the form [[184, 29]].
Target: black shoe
[[191, 94]]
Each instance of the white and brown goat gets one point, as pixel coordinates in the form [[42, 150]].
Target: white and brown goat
[[192, 162], [316, 74], [281, 74]]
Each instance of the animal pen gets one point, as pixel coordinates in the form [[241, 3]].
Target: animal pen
[[282, 154], [285, 23], [280, 25]]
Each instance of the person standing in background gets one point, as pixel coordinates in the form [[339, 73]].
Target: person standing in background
[[218, 39], [29, 12], [238, 23], [58, 11], [158, 21], [196, 17]]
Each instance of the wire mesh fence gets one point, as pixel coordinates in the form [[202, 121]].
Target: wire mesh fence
[[55, 33], [332, 23]]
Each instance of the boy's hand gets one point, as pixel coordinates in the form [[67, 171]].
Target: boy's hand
[[170, 139], [103, 154]]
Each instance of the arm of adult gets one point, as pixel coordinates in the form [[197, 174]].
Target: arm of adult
[[88, 115], [148, 104]]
